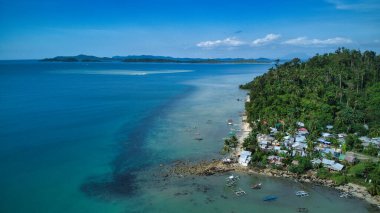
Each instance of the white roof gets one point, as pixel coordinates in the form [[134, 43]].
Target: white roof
[[336, 166], [245, 153], [244, 159], [327, 162], [326, 134], [342, 135], [300, 138], [295, 144], [272, 129], [364, 139], [300, 124]]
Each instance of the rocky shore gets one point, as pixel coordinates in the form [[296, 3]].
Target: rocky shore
[[310, 177], [206, 168], [203, 168]]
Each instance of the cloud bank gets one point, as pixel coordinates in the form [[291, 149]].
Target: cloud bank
[[228, 42], [266, 40], [359, 5], [304, 41], [274, 39]]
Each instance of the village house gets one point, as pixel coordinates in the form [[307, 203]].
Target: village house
[[303, 131], [366, 141], [245, 158], [331, 164]]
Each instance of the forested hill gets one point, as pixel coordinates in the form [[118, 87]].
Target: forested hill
[[341, 88], [154, 59]]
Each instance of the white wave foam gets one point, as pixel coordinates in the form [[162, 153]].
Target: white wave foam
[[122, 72]]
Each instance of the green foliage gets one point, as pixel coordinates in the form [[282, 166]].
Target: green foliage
[[329, 156], [371, 150], [250, 142], [372, 109], [362, 169], [334, 142], [353, 143], [323, 173], [230, 143], [339, 179], [279, 136], [368, 173], [374, 176], [341, 88], [304, 164]]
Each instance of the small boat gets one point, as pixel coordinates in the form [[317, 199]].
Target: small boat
[[302, 210], [198, 138], [240, 192], [232, 180], [256, 186], [302, 194], [230, 122], [270, 198]]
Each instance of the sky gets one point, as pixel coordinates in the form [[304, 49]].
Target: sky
[[31, 29]]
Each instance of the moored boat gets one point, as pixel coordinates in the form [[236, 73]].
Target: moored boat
[[302, 194], [256, 186], [270, 198]]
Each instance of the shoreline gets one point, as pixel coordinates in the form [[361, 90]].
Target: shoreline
[[355, 190], [207, 168]]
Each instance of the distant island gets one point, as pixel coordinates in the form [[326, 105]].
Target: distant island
[[153, 59]]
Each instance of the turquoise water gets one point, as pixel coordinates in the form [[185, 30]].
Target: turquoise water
[[79, 137]]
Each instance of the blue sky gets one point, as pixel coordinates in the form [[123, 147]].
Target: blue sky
[[183, 28]]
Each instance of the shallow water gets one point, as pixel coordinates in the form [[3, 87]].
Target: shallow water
[[87, 141]]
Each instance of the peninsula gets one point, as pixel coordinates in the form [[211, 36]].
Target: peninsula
[[316, 121]]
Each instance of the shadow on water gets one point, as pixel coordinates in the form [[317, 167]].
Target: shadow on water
[[107, 187], [131, 159]]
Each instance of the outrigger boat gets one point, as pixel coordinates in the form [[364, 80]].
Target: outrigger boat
[[302, 210], [232, 180], [256, 186], [240, 192], [198, 138], [302, 194]]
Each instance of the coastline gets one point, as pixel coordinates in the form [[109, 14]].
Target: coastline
[[207, 168], [311, 177]]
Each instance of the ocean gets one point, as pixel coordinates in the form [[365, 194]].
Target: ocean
[[93, 137]]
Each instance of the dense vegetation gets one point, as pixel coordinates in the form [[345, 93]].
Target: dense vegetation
[[341, 88]]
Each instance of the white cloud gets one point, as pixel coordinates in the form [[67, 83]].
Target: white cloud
[[266, 40], [228, 42], [363, 5], [304, 41]]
